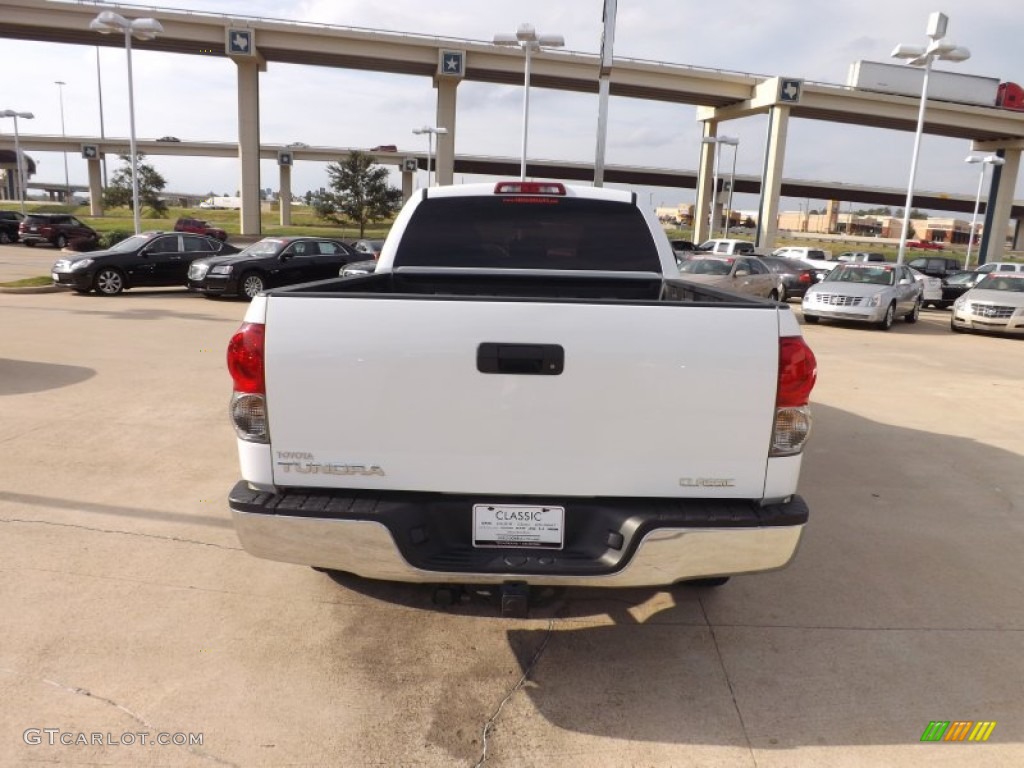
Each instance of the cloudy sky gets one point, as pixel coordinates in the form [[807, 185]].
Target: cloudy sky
[[192, 97]]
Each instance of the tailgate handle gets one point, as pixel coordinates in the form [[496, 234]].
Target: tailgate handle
[[520, 359]]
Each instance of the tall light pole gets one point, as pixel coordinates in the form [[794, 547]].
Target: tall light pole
[[99, 91], [718, 141], [987, 160], [18, 158], [67, 186], [526, 37], [938, 48], [431, 131], [144, 29], [732, 183]]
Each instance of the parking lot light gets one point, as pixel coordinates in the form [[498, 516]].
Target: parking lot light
[[984, 161], [431, 131], [143, 29], [718, 141], [19, 161], [939, 47]]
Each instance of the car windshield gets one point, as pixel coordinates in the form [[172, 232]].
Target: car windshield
[[132, 243], [263, 248], [1001, 282], [706, 267], [870, 275], [960, 277]]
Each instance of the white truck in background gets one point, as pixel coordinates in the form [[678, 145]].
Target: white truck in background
[[523, 393], [905, 80]]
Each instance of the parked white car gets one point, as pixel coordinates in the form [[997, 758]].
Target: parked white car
[[994, 304], [865, 292], [931, 289], [817, 258], [1001, 266]]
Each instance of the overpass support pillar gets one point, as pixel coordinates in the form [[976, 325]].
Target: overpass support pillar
[[705, 181], [95, 187], [284, 197], [408, 180], [997, 214], [446, 101], [1018, 236], [249, 143], [771, 179]]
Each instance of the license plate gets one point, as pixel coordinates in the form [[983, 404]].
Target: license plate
[[508, 525]]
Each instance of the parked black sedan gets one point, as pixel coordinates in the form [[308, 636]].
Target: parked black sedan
[[955, 286], [797, 276], [270, 263], [147, 259]]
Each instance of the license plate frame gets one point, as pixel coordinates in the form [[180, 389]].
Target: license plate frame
[[518, 526]]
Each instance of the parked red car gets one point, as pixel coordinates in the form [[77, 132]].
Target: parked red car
[[926, 245], [200, 227]]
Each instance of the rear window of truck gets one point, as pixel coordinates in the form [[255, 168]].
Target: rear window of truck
[[528, 232]]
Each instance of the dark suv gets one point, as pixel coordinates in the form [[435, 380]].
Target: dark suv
[[9, 221], [936, 266], [57, 229]]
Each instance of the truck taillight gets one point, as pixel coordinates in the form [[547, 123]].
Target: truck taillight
[[798, 370], [245, 358], [248, 402]]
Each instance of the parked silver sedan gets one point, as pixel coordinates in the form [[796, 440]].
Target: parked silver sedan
[[865, 292], [994, 304], [742, 274]]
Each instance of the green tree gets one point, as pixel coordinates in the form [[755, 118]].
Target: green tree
[[359, 193], [151, 183]]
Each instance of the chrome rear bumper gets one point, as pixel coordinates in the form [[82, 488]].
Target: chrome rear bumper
[[664, 556]]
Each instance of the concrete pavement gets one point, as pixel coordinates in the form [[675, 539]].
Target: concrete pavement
[[128, 606]]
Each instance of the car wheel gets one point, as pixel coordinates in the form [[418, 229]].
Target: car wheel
[[890, 314], [109, 282], [914, 313], [252, 284], [774, 295], [811, 319], [61, 241], [30, 243], [5, 238], [782, 293]]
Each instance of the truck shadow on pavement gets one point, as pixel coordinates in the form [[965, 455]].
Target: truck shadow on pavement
[[901, 607], [20, 377]]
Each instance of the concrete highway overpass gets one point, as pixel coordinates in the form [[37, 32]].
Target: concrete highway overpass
[[721, 96], [506, 166]]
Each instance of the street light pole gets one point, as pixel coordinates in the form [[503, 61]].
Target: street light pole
[[99, 91], [67, 186], [430, 131], [19, 160], [718, 141], [938, 48], [526, 37], [987, 160], [144, 29], [732, 185]]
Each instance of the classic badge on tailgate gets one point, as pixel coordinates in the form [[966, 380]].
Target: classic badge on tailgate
[[514, 525]]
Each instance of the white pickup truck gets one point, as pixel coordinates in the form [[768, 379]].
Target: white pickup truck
[[524, 393]]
